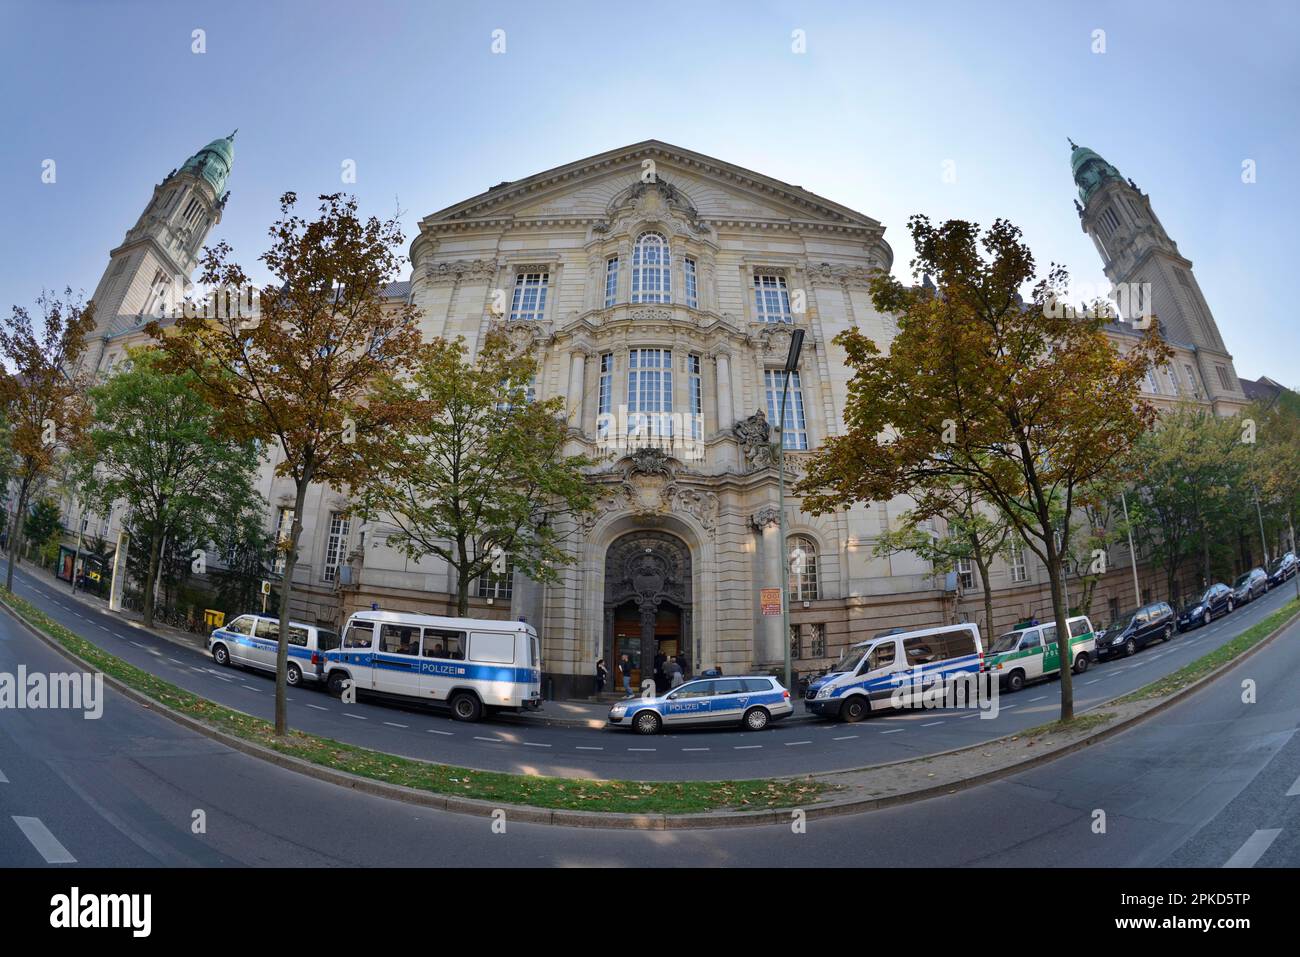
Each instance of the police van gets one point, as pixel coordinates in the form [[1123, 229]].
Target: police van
[[1028, 654], [252, 641], [895, 667], [471, 664]]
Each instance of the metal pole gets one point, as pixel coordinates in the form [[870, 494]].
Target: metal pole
[[76, 552], [785, 563], [1132, 556], [1263, 542]]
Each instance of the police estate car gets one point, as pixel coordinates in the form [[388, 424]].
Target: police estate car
[[750, 701]]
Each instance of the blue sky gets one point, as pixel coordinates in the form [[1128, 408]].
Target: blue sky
[[884, 95]]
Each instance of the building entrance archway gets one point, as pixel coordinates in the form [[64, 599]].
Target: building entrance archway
[[648, 602]]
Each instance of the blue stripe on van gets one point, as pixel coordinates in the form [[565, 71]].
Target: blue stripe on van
[[967, 664], [437, 667]]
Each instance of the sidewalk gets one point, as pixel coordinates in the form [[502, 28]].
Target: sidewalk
[[560, 713]]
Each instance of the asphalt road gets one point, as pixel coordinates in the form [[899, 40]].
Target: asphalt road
[[1210, 782], [704, 754]]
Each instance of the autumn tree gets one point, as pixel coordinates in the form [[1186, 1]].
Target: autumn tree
[[1273, 460], [43, 395], [1024, 403], [153, 444], [303, 374], [482, 475]]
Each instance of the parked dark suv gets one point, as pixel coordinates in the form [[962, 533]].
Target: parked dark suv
[[1215, 601], [1250, 586], [1128, 633], [1282, 568]]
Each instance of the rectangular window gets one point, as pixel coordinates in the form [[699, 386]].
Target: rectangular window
[[966, 573], [1171, 371], [496, 648], [794, 433], [283, 529], [1223, 377], [1191, 380], [796, 641], [1016, 559], [771, 299], [692, 289], [816, 641], [498, 586], [697, 397], [359, 635], [650, 393], [440, 643], [611, 281], [400, 639], [1152, 385], [340, 525], [605, 398], [529, 302]]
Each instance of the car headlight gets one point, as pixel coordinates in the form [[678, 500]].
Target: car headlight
[[1118, 639], [618, 710], [824, 692]]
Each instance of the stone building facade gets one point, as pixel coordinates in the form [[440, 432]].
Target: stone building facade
[[658, 289]]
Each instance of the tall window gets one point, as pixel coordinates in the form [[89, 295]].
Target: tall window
[[530, 295], [771, 299], [692, 287], [498, 585], [794, 434], [1152, 385], [650, 392], [1223, 376], [1016, 558], [966, 573], [803, 568], [340, 524], [808, 641], [1191, 380], [611, 281], [283, 529], [605, 400], [697, 397], [1171, 371], [651, 279]]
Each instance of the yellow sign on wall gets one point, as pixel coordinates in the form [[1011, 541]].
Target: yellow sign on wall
[[769, 601]]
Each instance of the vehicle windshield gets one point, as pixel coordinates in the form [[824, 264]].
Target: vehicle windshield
[[1242, 580], [1119, 624], [1209, 593], [852, 657], [1006, 643]]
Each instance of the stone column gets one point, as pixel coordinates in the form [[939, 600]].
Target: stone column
[[649, 616], [726, 413], [768, 649], [119, 572], [577, 378]]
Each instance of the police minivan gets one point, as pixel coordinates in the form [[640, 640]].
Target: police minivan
[[252, 640], [1028, 654], [473, 665], [906, 661]]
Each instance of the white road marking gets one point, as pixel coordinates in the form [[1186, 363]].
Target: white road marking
[[641, 749], [493, 740], [102, 627], [965, 716], [931, 724], [251, 688], [695, 749], [175, 662], [137, 644], [893, 731], [583, 747], [317, 707], [1254, 848], [3, 779], [1092, 682], [534, 744], [1039, 698], [1295, 788], [436, 731], [45, 843], [847, 737], [745, 747], [394, 724], [791, 744], [357, 716]]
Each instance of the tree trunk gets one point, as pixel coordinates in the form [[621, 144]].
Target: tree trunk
[[1062, 628], [151, 575], [462, 581], [16, 535], [286, 593]]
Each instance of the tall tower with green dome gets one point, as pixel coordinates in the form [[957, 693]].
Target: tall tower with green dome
[[152, 266], [1135, 248]]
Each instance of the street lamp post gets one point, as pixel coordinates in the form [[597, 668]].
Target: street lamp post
[[791, 365]]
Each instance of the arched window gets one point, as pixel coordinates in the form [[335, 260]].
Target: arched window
[[651, 279], [802, 562]]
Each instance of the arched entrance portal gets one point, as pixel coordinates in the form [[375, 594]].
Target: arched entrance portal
[[647, 601]]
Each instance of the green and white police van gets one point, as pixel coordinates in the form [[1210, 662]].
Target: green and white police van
[[1029, 654]]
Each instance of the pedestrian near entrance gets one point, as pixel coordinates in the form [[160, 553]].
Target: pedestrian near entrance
[[602, 674], [625, 671], [673, 672]]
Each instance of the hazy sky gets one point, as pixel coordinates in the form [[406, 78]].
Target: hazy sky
[[884, 95]]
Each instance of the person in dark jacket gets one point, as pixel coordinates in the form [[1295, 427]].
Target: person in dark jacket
[[602, 674]]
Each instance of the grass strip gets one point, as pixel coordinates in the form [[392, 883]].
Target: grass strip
[[1209, 661], [636, 797]]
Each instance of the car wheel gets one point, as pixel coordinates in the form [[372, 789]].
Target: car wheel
[[1130, 648], [1230, 606], [855, 709], [466, 706], [1169, 632], [756, 719], [335, 683], [221, 656], [292, 675], [1206, 617], [1081, 664], [647, 722], [1015, 681]]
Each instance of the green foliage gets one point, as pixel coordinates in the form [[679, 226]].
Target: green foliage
[[483, 471]]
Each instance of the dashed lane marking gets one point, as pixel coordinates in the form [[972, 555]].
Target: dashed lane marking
[[695, 749], [893, 731], [791, 744], [493, 740], [746, 747], [1295, 789], [641, 749], [847, 737], [931, 724], [357, 716], [584, 747], [394, 724], [1249, 853], [436, 731], [317, 707], [46, 844], [535, 744]]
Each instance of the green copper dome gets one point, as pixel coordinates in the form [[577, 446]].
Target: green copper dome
[[1089, 170], [214, 161]]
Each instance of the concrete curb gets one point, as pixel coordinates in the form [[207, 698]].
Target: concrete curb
[[620, 821]]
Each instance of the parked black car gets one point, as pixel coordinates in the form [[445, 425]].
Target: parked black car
[[1128, 633], [1215, 601], [1282, 568], [1250, 586]]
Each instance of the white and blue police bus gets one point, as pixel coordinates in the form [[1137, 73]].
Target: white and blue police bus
[[473, 665]]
